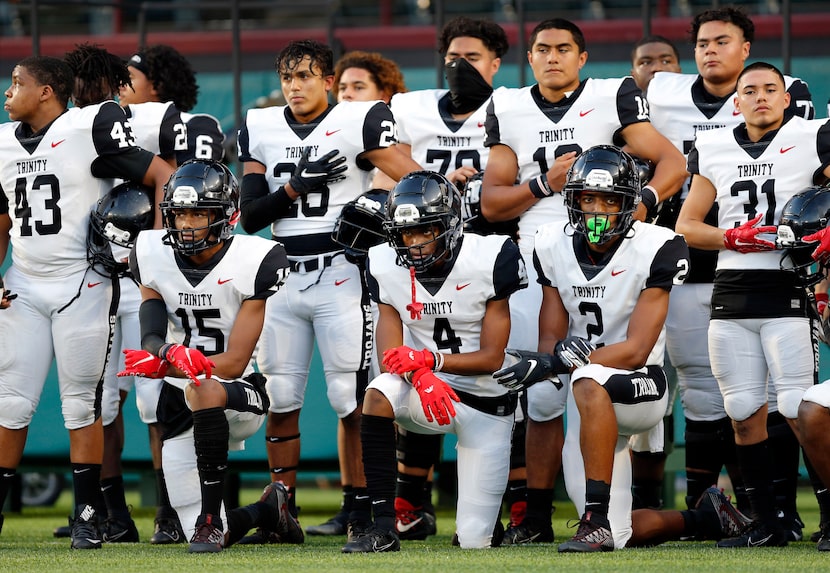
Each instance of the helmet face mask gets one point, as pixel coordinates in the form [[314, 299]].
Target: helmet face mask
[[360, 224], [117, 218], [806, 212], [200, 185], [603, 169], [420, 200]]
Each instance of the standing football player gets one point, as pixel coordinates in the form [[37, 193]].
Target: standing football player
[[56, 164], [451, 292], [756, 337], [681, 106], [564, 115], [650, 55], [203, 296], [303, 162]]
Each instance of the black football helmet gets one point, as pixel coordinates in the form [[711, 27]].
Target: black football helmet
[[607, 169], [807, 212], [474, 221], [200, 184], [118, 217], [424, 198], [360, 223]]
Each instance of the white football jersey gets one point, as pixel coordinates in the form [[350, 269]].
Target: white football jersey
[[753, 178], [485, 268], [538, 132], [158, 128], [440, 143], [271, 137], [205, 139], [49, 187], [600, 299], [201, 315]]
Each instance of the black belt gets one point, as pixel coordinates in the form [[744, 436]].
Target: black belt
[[503, 405], [311, 265]]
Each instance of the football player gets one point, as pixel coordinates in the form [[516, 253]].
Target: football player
[[203, 296], [756, 337], [565, 115], [451, 292], [303, 162], [366, 76], [605, 282], [56, 163], [681, 106], [650, 55]]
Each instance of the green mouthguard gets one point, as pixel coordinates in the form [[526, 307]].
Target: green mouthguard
[[597, 225]]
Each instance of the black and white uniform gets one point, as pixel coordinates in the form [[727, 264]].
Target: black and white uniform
[[759, 328], [599, 300], [202, 305], [205, 139], [323, 298], [485, 269], [680, 109], [538, 131], [49, 184]]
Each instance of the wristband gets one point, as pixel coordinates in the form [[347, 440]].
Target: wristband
[[438, 361], [650, 198], [540, 187], [163, 351]]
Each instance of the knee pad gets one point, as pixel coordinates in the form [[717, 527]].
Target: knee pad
[[342, 390], [17, 412], [78, 413], [739, 407], [546, 400], [788, 401], [418, 450], [285, 392]]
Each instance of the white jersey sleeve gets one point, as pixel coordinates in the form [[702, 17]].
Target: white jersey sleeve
[[158, 128], [600, 302], [205, 139]]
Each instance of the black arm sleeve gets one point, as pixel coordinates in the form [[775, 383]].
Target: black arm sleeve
[[152, 314], [258, 206]]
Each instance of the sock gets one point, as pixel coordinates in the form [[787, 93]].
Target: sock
[[292, 500], [243, 519], [597, 497], [427, 498], [821, 492], [707, 445], [515, 497], [378, 436], [210, 436], [539, 506], [86, 482], [646, 480], [348, 499], [6, 480], [785, 453], [755, 462], [411, 488], [361, 506], [112, 489], [161, 490]]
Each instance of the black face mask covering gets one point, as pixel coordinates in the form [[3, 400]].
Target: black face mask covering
[[468, 90]]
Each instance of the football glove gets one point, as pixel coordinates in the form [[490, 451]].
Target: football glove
[[436, 396], [574, 351], [142, 363], [745, 239], [188, 360], [404, 359], [822, 252], [529, 368], [311, 176], [6, 296]]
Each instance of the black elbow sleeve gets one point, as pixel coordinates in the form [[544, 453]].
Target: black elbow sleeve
[[152, 314]]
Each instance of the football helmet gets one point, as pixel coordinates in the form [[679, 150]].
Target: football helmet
[[118, 217], [607, 169], [474, 221], [807, 212], [424, 198], [360, 224], [200, 184]]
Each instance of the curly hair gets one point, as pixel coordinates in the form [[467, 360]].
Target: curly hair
[[170, 73], [293, 54], [53, 72], [99, 74], [385, 73], [728, 14], [491, 34]]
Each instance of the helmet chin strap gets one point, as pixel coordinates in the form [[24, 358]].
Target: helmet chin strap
[[597, 225], [414, 307]]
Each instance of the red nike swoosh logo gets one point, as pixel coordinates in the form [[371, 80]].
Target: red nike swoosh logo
[[340, 282], [221, 282], [459, 287], [615, 273], [736, 112], [91, 285], [56, 143], [786, 149], [332, 132], [584, 113], [480, 124]]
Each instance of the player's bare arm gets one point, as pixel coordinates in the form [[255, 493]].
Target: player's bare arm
[[156, 176], [495, 329], [553, 319], [690, 222], [389, 331], [391, 161]]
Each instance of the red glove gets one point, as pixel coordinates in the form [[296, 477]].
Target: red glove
[[745, 239], [436, 396], [142, 363], [404, 359], [188, 360], [822, 252]]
